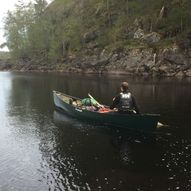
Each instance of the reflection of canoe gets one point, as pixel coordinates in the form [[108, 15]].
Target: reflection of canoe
[[66, 120], [142, 122]]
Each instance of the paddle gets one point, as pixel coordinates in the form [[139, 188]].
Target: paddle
[[95, 100]]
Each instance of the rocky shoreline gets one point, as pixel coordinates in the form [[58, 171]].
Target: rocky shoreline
[[169, 62], [140, 62]]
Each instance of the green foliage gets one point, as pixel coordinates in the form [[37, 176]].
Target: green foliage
[[38, 30], [4, 55], [16, 29]]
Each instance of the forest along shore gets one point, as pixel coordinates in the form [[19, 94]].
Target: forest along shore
[[140, 62], [143, 38]]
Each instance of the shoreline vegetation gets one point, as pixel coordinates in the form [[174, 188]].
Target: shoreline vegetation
[[109, 37]]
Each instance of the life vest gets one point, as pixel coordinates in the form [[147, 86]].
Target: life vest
[[126, 102]]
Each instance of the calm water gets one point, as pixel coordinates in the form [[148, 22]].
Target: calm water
[[42, 149]]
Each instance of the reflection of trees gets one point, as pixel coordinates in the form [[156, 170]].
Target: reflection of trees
[[30, 92], [35, 91], [76, 155]]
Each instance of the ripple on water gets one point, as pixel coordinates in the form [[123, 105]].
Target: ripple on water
[[175, 159]]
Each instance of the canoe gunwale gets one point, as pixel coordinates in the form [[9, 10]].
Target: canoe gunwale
[[60, 93], [138, 122], [111, 113]]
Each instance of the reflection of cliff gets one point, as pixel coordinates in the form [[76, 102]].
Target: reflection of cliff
[[36, 89], [78, 156]]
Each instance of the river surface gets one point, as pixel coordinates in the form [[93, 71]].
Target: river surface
[[42, 149]]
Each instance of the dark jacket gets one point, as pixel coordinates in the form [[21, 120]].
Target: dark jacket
[[125, 102]]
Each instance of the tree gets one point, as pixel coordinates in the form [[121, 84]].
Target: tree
[[40, 7], [17, 24]]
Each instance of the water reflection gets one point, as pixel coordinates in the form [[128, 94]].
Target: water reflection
[[42, 149], [59, 164], [120, 149], [140, 156]]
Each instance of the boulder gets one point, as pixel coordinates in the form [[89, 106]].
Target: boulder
[[188, 73], [173, 56], [139, 34], [90, 36], [180, 74], [163, 69], [152, 37], [93, 45]]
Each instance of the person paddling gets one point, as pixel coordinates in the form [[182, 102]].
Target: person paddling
[[125, 101]]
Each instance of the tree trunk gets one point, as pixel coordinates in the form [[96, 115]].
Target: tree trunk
[[127, 7], [109, 12]]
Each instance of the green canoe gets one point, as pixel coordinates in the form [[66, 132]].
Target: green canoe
[[138, 122]]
